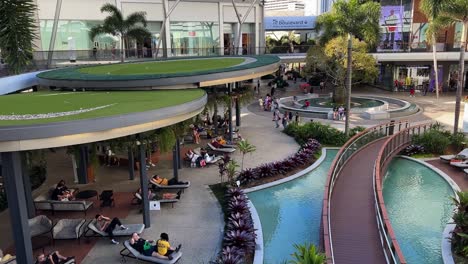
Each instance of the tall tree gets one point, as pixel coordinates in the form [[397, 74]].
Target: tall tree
[[359, 18], [431, 9], [132, 27], [450, 13], [17, 34]]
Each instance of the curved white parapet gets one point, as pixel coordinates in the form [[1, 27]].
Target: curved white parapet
[[447, 256], [258, 256], [18, 82]]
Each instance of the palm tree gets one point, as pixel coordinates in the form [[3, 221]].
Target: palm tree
[[353, 18], [17, 28], [116, 25], [231, 170], [245, 147], [450, 13], [431, 9], [307, 254]]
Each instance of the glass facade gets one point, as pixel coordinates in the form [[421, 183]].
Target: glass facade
[[248, 38], [395, 25], [74, 35], [194, 38]]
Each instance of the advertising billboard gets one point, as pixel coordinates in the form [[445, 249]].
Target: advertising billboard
[[391, 24], [289, 23]]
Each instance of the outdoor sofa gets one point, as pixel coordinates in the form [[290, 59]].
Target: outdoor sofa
[[69, 229], [130, 252], [169, 187], [45, 203], [9, 261], [223, 150], [462, 155], [93, 231], [40, 225], [137, 200]]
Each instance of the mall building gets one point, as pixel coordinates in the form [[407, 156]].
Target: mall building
[[194, 28], [404, 50]]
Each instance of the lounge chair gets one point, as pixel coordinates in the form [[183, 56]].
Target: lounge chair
[[130, 252], [93, 231], [224, 150], [214, 160], [462, 155], [137, 200], [460, 164], [169, 187]]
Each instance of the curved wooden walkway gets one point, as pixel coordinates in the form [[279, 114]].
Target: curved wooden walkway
[[354, 231]]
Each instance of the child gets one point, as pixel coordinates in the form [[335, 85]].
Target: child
[[411, 92]]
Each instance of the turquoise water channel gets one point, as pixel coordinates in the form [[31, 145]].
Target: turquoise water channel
[[290, 212], [419, 207]]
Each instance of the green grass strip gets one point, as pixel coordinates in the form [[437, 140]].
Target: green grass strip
[[122, 103]]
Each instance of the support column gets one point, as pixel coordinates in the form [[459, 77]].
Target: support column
[[13, 179], [27, 189], [131, 164], [58, 7], [230, 111], [144, 186], [83, 165], [175, 166], [238, 116], [179, 163]]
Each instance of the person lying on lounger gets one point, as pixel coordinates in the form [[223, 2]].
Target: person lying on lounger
[[192, 156], [52, 258], [161, 196], [163, 181], [108, 225], [147, 247]]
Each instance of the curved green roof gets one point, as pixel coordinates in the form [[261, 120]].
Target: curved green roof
[[174, 67], [49, 107]]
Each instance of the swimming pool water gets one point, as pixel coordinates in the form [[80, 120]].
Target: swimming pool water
[[419, 207], [290, 212]]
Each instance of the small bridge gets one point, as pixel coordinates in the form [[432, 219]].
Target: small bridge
[[355, 223]]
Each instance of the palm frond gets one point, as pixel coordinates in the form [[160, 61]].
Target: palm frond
[[135, 18], [431, 8], [96, 31], [138, 33], [113, 10]]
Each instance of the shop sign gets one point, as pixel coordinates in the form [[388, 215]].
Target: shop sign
[[289, 23]]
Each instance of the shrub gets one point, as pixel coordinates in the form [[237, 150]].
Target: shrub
[[322, 133], [239, 236], [412, 150], [457, 140], [434, 140], [460, 218], [303, 155]]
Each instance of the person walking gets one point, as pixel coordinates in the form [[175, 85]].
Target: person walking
[[340, 112], [290, 116], [277, 118], [284, 120], [258, 86], [260, 102], [297, 118]]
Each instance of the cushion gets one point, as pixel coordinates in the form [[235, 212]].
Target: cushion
[[132, 228], [176, 256], [39, 225], [68, 228]]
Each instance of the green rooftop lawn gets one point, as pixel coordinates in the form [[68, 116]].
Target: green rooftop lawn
[[124, 103], [163, 67]]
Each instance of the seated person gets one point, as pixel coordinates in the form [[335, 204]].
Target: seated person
[[164, 248], [192, 156], [107, 225], [62, 193], [147, 248], [163, 181], [52, 258], [161, 196], [209, 158], [221, 140]]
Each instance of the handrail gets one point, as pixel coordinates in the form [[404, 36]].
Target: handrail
[[353, 145], [390, 245]]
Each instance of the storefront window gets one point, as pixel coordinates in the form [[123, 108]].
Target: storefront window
[[74, 35], [395, 25], [419, 38], [457, 35], [194, 38]]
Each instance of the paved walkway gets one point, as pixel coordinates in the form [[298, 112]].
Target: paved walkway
[[354, 229]]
